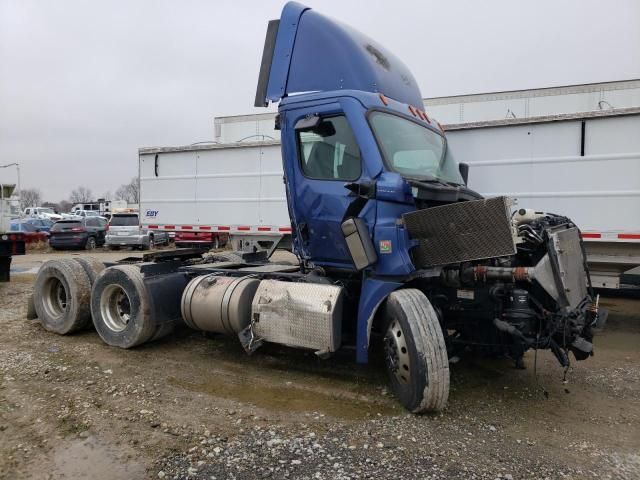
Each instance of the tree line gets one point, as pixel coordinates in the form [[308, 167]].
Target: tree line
[[32, 197]]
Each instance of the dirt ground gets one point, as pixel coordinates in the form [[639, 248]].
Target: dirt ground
[[192, 406]]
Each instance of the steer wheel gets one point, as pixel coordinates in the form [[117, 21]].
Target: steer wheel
[[396, 352], [415, 352]]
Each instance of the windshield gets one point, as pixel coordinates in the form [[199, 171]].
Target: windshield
[[46, 210], [413, 150], [124, 221]]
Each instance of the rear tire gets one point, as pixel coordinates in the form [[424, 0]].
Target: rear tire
[[415, 352], [92, 266], [91, 244], [120, 307], [149, 245], [62, 293], [31, 309]]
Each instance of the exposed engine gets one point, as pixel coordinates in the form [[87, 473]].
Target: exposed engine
[[537, 297]]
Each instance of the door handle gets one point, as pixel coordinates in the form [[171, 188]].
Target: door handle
[[365, 188]]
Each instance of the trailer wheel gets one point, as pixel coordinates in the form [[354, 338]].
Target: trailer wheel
[[415, 352], [92, 266], [120, 307], [62, 293]]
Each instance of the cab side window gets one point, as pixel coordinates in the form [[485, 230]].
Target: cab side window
[[329, 151]]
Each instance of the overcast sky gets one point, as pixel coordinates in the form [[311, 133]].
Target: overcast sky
[[83, 84]]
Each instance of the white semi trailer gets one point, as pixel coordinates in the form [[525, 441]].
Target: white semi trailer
[[234, 189]]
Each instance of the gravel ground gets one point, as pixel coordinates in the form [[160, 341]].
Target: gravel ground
[[196, 407]]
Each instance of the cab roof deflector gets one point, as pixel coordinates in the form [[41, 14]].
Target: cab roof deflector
[[305, 51]]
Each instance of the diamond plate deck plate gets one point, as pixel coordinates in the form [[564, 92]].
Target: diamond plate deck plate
[[302, 315], [461, 232]]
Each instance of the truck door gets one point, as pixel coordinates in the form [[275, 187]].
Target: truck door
[[321, 156]]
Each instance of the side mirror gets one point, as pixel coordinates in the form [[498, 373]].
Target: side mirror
[[464, 172]]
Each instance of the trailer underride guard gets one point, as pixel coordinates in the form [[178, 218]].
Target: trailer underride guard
[[391, 243]]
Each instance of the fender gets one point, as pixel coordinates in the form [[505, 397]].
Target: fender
[[373, 293]]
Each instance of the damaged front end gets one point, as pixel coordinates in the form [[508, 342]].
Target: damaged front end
[[507, 282]]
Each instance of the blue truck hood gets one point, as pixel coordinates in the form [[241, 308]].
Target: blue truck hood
[[305, 51]]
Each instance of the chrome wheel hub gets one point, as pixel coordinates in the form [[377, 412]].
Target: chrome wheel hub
[[397, 353], [115, 307]]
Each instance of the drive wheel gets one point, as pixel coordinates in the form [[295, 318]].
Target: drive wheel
[[415, 352], [216, 243], [91, 244], [92, 266], [120, 307], [62, 294]]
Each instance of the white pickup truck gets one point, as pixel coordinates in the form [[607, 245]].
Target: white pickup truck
[[42, 212]]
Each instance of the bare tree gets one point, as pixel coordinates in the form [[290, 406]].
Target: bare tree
[[30, 197], [81, 195], [64, 206], [129, 192]]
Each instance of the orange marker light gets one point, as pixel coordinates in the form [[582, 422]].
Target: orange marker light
[[412, 109], [426, 117], [384, 99]]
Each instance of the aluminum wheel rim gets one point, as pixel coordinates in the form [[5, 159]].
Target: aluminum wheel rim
[[397, 353], [91, 243], [56, 297], [115, 307]]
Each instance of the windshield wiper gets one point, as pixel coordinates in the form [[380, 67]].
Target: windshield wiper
[[430, 179]]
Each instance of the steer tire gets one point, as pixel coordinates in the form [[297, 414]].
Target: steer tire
[[92, 266], [415, 352], [62, 293], [121, 308]]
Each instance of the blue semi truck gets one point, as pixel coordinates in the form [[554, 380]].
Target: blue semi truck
[[391, 243]]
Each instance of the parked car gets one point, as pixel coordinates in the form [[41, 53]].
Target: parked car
[[89, 233], [31, 233], [41, 212], [204, 240], [42, 224], [125, 231]]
